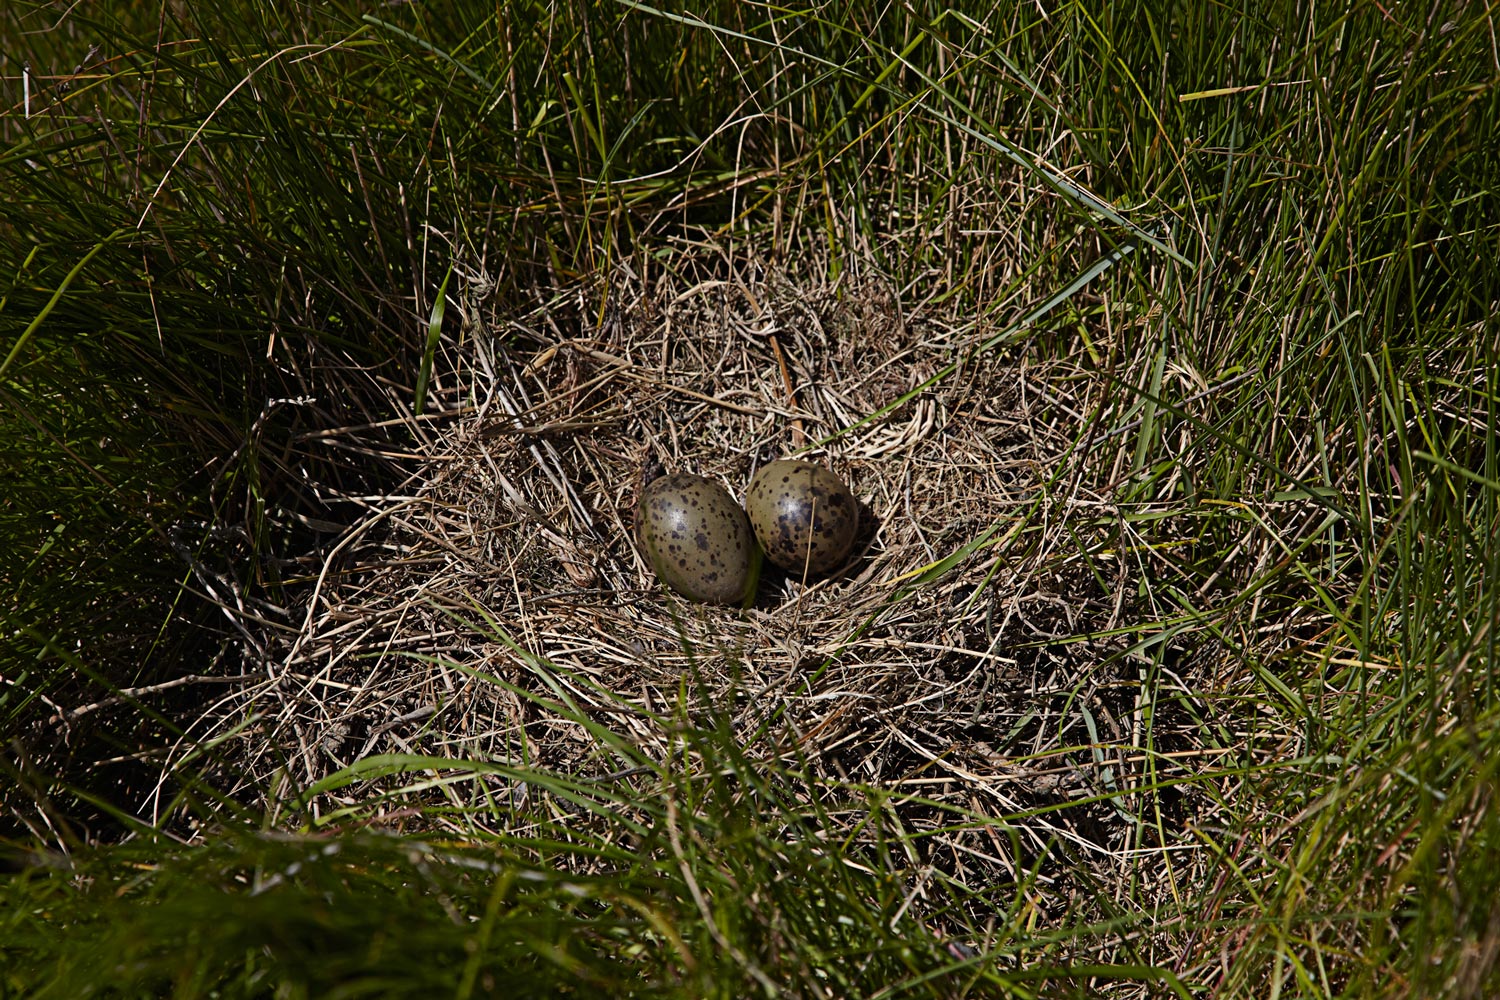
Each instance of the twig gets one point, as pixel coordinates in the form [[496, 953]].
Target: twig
[[799, 436]]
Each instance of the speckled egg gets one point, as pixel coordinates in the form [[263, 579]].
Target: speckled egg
[[804, 516], [698, 539]]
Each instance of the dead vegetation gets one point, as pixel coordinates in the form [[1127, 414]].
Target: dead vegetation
[[969, 661]]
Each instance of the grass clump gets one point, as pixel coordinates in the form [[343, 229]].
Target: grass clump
[[639, 889], [1159, 345]]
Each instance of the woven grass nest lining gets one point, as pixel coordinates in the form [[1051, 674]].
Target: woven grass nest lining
[[520, 520]]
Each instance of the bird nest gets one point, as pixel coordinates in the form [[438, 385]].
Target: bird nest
[[964, 658]]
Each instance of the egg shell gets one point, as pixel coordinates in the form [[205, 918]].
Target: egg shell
[[803, 515], [698, 539]]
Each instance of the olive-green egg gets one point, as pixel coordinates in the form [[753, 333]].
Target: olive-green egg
[[698, 539], [804, 516]]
